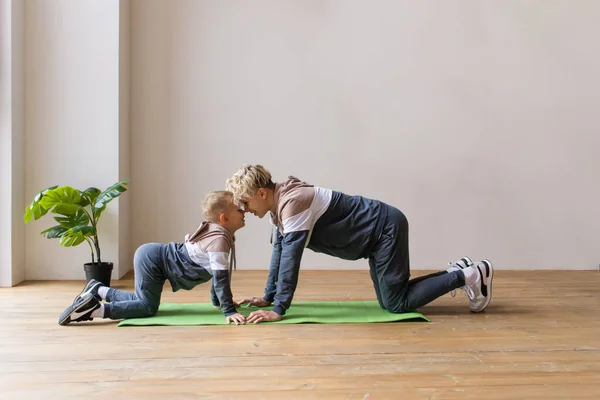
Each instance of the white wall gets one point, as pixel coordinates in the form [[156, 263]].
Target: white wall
[[73, 121], [12, 253], [18, 142], [5, 143], [125, 255], [477, 119]]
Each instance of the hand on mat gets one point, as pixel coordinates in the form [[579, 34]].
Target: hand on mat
[[263, 316], [236, 318], [255, 301]]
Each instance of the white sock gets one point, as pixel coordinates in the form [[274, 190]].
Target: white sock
[[471, 275], [99, 312], [102, 290]]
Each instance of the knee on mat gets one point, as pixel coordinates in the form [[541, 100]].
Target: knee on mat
[[150, 310], [398, 309]]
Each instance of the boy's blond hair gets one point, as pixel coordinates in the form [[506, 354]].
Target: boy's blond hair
[[246, 181], [217, 203]]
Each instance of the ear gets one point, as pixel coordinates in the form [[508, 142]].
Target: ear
[[263, 193], [223, 218]]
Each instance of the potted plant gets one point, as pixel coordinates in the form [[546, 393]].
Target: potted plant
[[77, 213]]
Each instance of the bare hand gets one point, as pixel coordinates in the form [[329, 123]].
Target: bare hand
[[263, 316], [255, 301], [236, 318]]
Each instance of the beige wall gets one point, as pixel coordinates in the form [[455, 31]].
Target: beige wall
[[73, 123], [124, 202], [478, 119], [5, 143], [12, 108]]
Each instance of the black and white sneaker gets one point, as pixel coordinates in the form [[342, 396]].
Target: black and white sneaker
[[458, 265], [91, 287], [480, 291], [81, 310]]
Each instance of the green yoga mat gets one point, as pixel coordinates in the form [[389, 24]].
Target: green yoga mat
[[320, 312]]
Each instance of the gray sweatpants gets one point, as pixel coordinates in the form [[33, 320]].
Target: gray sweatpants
[[150, 264], [389, 265]]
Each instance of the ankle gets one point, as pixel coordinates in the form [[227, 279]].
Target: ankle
[[99, 312], [102, 292]]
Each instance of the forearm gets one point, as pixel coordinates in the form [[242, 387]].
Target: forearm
[[223, 293], [289, 268], [213, 295], [271, 286]]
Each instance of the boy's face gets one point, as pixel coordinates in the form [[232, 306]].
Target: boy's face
[[257, 204], [236, 217]]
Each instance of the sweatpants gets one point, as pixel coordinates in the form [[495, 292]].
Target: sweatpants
[[389, 265], [150, 264]]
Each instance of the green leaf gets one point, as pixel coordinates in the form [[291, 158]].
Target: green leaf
[[89, 196], [62, 194], [71, 241], [107, 196], [70, 221], [54, 232], [35, 209], [62, 200], [85, 230], [67, 209], [75, 236]]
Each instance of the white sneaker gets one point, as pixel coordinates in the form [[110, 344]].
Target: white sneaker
[[458, 265], [480, 289]]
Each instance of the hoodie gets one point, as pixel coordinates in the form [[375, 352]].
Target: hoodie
[[323, 220], [210, 246]]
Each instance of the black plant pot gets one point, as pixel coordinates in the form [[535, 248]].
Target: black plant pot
[[98, 271]]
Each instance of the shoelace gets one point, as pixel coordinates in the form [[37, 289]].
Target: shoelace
[[468, 292], [465, 289]]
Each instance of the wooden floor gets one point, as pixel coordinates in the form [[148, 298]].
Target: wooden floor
[[540, 339]]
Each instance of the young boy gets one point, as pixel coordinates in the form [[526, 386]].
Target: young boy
[[348, 227], [201, 257]]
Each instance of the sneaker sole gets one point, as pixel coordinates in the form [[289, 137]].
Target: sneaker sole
[[65, 317], [489, 287]]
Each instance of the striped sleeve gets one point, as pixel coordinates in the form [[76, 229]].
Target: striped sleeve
[[218, 254], [296, 215]]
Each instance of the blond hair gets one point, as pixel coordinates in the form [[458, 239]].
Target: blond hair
[[217, 203], [246, 181]]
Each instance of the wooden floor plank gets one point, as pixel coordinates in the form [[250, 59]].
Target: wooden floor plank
[[540, 339]]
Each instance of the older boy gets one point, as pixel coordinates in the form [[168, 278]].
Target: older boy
[[202, 257], [348, 227]]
